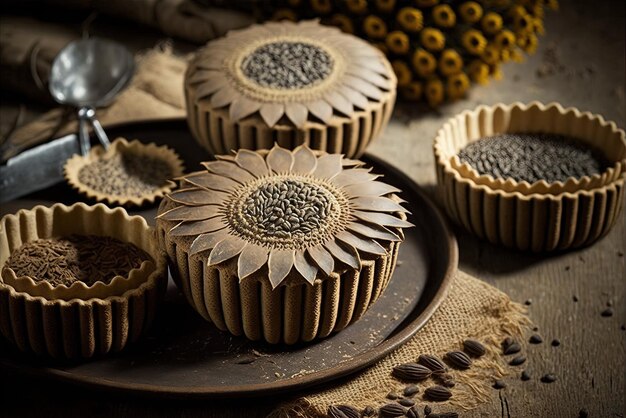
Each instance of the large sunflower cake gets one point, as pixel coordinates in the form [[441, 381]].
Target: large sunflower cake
[[291, 83], [282, 245]]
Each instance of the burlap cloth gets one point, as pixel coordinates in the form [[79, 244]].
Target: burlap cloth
[[472, 309]]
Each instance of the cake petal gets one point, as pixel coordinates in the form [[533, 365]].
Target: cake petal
[[376, 204], [226, 249], [378, 218], [356, 98], [279, 265], [328, 166], [272, 112], [190, 213], [304, 161], [339, 102], [210, 86], [251, 259], [223, 96], [371, 188], [279, 160], [360, 243], [363, 86], [253, 162], [242, 107], [370, 231], [321, 109], [196, 196], [198, 227], [372, 64], [304, 267], [230, 170], [372, 77], [212, 182], [207, 241], [297, 113], [322, 258], [353, 176], [347, 254]]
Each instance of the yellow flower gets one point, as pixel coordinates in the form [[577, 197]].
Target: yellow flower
[[284, 14], [496, 72], [434, 92], [385, 5], [412, 91], [470, 12], [491, 54], [505, 55], [505, 39], [457, 85], [479, 71], [516, 55], [426, 3], [410, 19], [522, 23], [343, 22], [322, 6], [397, 42], [424, 62], [491, 23], [531, 45], [450, 62], [444, 16], [403, 72], [538, 26], [374, 27], [473, 41], [433, 39], [356, 6]]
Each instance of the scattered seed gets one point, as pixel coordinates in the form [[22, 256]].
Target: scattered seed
[[575, 298], [458, 360], [368, 411], [512, 348], [499, 384], [535, 339], [609, 303], [392, 396], [528, 302], [517, 361], [620, 254], [335, 412], [607, 312], [548, 378], [438, 393], [412, 372], [349, 411], [556, 343], [449, 383], [427, 410], [623, 327], [391, 410], [413, 412], [583, 413], [406, 402], [474, 348], [535, 329], [507, 342], [433, 363], [525, 376], [410, 390]]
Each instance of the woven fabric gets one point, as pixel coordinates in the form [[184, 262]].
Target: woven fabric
[[472, 309]]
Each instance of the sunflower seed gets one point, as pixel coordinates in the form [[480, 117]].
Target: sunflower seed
[[432, 362], [392, 396], [525, 376], [413, 412], [548, 378], [438, 393], [335, 412], [474, 348], [411, 372], [512, 348], [368, 411], [458, 360], [517, 361], [535, 339], [499, 384], [427, 410], [556, 343], [406, 402], [410, 390], [607, 312], [391, 410]]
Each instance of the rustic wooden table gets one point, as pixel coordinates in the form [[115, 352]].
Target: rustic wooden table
[[580, 62]]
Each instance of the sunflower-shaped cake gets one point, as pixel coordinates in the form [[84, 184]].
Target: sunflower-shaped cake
[[291, 83], [282, 245]]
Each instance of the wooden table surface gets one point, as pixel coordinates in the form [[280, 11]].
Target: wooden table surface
[[581, 63]]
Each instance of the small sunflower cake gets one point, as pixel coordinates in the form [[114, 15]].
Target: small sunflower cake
[[282, 245], [291, 83]]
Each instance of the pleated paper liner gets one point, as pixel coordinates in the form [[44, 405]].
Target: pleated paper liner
[[293, 312], [340, 113], [535, 221], [161, 153], [591, 129], [79, 320]]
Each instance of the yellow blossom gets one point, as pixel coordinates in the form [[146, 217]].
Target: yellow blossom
[[433, 39], [457, 85], [374, 27], [424, 62], [403, 72], [434, 92], [491, 23], [410, 19], [505, 39], [470, 12], [444, 16], [397, 42], [450, 62], [473, 41], [479, 71]]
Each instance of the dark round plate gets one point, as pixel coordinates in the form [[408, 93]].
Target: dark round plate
[[184, 356]]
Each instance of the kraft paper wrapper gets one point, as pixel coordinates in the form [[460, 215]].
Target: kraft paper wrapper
[[293, 312], [526, 220], [120, 145], [216, 132], [590, 129], [79, 320]]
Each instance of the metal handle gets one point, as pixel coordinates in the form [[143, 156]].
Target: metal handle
[[83, 135], [88, 114]]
